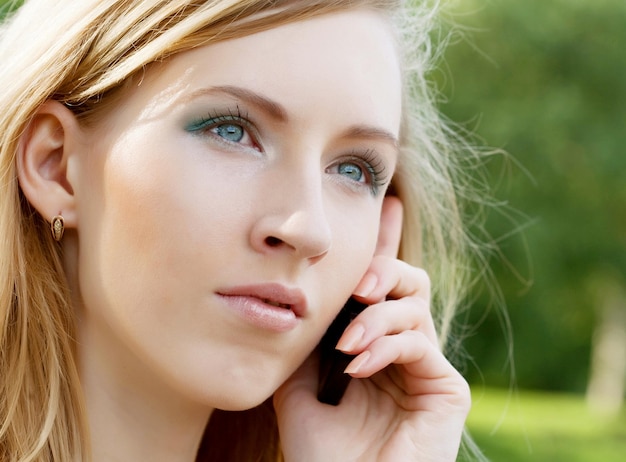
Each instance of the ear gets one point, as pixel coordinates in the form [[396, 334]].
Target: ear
[[45, 149], [390, 230]]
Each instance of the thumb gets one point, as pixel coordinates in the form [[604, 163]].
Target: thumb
[[300, 387]]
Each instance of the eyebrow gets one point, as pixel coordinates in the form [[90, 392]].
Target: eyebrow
[[275, 110], [370, 132], [278, 112]]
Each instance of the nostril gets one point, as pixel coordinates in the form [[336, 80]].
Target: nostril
[[272, 241]]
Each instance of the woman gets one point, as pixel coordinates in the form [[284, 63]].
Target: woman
[[190, 193]]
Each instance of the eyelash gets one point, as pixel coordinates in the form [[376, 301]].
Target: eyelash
[[373, 168], [371, 165], [215, 119]]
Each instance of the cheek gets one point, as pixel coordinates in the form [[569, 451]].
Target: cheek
[[140, 209], [354, 241], [165, 218], [135, 216]]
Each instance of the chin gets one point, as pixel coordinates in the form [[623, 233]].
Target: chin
[[241, 396], [241, 403]]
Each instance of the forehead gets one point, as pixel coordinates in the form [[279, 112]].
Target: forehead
[[347, 60]]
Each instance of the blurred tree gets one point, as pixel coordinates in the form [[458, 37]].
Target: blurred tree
[[546, 81], [607, 382]]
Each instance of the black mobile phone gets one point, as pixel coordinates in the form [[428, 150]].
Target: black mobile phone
[[332, 380]]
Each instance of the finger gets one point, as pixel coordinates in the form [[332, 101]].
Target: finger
[[452, 389], [407, 290], [427, 374], [301, 386], [388, 242], [391, 278], [421, 360], [390, 230], [387, 318]]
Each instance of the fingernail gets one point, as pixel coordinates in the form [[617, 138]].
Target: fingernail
[[367, 285], [357, 363], [351, 338]]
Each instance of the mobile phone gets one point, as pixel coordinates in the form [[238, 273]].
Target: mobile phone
[[332, 380]]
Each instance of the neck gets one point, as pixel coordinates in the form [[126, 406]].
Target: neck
[[133, 415]]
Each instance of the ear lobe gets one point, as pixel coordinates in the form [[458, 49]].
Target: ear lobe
[[45, 148]]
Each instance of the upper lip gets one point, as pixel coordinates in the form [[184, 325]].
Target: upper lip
[[273, 293]]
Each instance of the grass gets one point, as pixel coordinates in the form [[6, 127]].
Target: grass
[[533, 426]]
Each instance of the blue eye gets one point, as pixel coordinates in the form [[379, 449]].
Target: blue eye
[[361, 169], [231, 128], [230, 132], [352, 171]]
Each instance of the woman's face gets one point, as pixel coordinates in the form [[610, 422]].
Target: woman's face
[[230, 203]]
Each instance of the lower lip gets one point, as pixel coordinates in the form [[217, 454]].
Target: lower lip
[[261, 314]]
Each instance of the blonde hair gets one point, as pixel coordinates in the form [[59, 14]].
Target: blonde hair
[[81, 54]]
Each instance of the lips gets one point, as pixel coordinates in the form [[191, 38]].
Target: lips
[[271, 294]]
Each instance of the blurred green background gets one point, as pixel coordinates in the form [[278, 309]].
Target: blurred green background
[[545, 81]]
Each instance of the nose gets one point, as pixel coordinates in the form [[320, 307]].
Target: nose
[[292, 219]]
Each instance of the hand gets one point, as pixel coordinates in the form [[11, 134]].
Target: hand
[[409, 403]]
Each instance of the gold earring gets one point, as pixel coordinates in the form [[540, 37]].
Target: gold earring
[[57, 226]]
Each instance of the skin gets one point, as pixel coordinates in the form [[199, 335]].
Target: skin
[[164, 210]]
